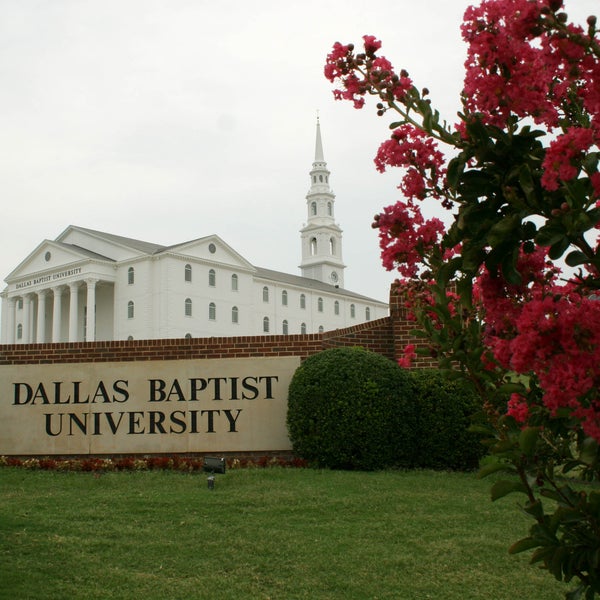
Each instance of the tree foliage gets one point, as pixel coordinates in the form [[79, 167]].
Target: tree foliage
[[518, 175]]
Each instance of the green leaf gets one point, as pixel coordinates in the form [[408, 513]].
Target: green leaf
[[522, 545], [495, 468], [576, 258], [503, 488], [456, 168], [528, 439]]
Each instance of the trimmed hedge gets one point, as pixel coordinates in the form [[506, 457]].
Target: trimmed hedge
[[445, 408], [351, 409]]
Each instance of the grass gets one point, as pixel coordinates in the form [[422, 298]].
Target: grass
[[261, 534]]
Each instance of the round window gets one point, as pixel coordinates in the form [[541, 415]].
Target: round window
[[212, 248], [47, 256]]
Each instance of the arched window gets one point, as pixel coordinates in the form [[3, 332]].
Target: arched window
[[329, 209], [19, 331], [302, 301], [188, 272], [336, 307], [303, 328], [266, 325], [313, 246], [130, 276], [234, 314], [130, 309], [352, 311], [284, 327], [234, 283], [321, 178], [313, 208], [367, 314], [284, 295], [265, 294], [212, 311], [130, 338], [188, 336], [331, 246], [321, 329], [212, 278], [320, 304], [188, 307]]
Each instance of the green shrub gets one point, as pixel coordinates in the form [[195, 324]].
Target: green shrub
[[444, 408], [352, 409]]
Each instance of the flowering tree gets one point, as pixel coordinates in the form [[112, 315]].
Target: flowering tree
[[519, 177]]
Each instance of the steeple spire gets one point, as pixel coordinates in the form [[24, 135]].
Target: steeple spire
[[321, 236], [319, 158]]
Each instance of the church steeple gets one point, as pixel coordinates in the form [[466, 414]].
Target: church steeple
[[321, 236]]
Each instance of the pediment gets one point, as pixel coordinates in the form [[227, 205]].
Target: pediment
[[50, 257], [211, 249]]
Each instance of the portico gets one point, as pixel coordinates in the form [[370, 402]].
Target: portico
[[57, 313]]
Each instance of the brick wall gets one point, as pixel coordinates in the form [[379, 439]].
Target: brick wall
[[387, 336]]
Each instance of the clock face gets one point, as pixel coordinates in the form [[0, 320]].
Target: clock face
[[334, 277]]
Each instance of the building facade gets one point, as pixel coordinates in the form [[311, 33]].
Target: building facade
[[87, 285]]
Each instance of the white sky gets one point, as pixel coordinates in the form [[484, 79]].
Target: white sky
[[169, 120]]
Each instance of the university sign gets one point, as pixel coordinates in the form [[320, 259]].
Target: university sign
[[208, 405]]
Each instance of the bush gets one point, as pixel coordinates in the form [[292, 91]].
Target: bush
[[352, 409], [444, 408]]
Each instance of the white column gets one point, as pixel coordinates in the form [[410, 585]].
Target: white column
[[57, 313], [90, 321], [41, 317], [9, 336], [73, 311], [26, 319]]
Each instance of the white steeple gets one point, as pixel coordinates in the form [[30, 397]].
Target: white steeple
[[321, 236]]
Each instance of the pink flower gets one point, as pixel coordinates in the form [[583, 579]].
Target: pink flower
[[371, 44]]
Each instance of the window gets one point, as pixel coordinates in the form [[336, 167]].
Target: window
[[320, 304], [130, 309], [352, 311], [212, 311], [20, 303], [329, 210], [234, 283], [265, 294], [130, 276], [336, 307], [284, 328], [266, 325], [331, 246], [188, 272], [321, 329], [212, 278], [234, 314], [284, 298], [367, 313], [313, 208], [188, 307], [302, 301], [313, 246], [19, 331], [321, 178], [188, 336], [303, 328], [130, 338]]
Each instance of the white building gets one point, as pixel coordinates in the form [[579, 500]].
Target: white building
[[199, 288]]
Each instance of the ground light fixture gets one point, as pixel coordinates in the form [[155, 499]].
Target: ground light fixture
[[213, 465]]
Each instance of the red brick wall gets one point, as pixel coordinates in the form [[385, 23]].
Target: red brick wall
[[387, 336]]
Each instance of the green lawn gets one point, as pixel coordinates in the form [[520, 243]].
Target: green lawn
[[261, 534]]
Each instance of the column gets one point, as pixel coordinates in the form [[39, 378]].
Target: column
[[57, 313], [11, 320], [26, 319], [41, 316], [90, 318], [73, 311]]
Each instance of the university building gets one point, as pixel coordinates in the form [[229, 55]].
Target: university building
[[88, 285]]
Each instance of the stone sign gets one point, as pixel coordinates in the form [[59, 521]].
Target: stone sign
[[205, 405]]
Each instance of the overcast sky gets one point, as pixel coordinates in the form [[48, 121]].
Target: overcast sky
[[171, 120]]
